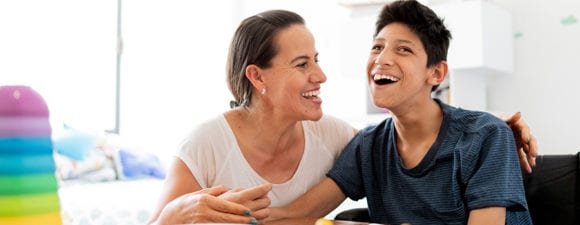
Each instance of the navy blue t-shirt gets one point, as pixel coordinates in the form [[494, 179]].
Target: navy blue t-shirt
[[472, 164]]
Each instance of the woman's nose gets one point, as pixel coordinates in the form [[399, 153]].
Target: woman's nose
[[319, 76]]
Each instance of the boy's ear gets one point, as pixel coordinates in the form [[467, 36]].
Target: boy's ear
[[254, 75], [438, 73]]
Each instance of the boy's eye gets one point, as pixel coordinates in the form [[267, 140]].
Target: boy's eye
[[377, 48], [404, 49]]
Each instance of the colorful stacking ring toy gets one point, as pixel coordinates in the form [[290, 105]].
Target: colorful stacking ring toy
[[28, 185]]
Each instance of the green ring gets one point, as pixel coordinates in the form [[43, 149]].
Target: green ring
[[30, 184]]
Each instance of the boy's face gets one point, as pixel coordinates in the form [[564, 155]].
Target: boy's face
[[397, 71]]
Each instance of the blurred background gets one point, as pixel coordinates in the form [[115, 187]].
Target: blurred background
[[147, 71]]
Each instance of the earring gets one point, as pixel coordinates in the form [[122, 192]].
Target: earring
[[263, 91]]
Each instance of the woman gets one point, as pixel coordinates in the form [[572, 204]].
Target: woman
[[276, 133]]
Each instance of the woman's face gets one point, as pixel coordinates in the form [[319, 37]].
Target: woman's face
[[397, 71], [293, 81]]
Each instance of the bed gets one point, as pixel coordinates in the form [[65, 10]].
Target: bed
[[123, 202]]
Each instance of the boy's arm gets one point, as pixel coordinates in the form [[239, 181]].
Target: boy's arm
[[487, 216], [314, 204]]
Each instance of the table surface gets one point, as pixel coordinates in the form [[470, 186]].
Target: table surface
[[345, 222]]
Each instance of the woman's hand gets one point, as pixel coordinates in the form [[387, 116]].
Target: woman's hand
[[255, 198], [207, 206], [525, 141]]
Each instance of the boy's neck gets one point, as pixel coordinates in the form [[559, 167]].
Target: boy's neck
[[417, 131]]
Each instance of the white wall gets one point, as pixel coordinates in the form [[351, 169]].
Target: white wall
[[544, 84], [173, 65], [547, 51], [173, 69], [174, 62]]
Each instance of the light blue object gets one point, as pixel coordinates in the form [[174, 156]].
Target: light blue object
[[75, 144]]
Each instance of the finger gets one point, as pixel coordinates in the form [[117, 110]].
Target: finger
[[256, 192], [232, 218], [523, 135], [215, 191], [258, 204], [261, 214], [513, 118], [529, 145], [222, 217], [524, 161], [229, 207], [532, 150], [236, 189]]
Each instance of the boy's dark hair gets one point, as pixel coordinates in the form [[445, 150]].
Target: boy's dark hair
[[423, 22]]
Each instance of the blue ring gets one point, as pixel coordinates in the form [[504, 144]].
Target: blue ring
[[25, 145], [26, 165]]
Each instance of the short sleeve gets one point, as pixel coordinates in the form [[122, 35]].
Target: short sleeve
[[496, 178], [346, 171], [204, 150]]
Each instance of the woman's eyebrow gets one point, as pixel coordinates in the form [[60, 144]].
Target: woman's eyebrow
[[303, 57]]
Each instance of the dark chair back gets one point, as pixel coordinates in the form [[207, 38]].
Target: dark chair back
[[552, 192]]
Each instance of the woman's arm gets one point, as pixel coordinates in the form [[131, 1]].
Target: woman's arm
[[178, 182], [183, 201]]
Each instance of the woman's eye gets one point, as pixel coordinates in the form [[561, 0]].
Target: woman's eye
[[302, 65]]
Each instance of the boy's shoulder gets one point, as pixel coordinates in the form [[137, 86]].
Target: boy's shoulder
[[472, 120]]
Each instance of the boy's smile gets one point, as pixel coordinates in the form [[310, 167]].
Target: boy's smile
[[382, 79], [397, 71]]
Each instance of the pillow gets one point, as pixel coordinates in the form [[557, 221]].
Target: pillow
[[133, 164]]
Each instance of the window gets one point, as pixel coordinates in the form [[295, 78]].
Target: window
[[65, 50]]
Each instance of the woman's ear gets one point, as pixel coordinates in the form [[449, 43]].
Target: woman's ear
[[438, 73], [254, 75]]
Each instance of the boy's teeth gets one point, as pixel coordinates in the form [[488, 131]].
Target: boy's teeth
[[310, 93], [388, 77]]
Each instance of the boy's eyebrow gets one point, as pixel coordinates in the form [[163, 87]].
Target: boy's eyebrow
[[302, 57], [398, 41], [405, 41]]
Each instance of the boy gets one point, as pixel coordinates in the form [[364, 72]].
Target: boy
[[430, 163]]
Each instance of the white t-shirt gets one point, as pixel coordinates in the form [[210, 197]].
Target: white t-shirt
[[212, 154]]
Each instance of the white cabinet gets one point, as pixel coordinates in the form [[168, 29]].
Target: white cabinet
[[482, 45]]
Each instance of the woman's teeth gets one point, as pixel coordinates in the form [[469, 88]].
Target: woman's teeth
[[311, 93]]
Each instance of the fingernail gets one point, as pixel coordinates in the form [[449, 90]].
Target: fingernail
[[247, 213], [253, 222]]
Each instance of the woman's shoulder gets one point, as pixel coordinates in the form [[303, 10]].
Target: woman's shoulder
[[208, 130]]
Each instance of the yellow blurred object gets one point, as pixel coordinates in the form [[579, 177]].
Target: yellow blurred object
[[324, 222], [45, 219]]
